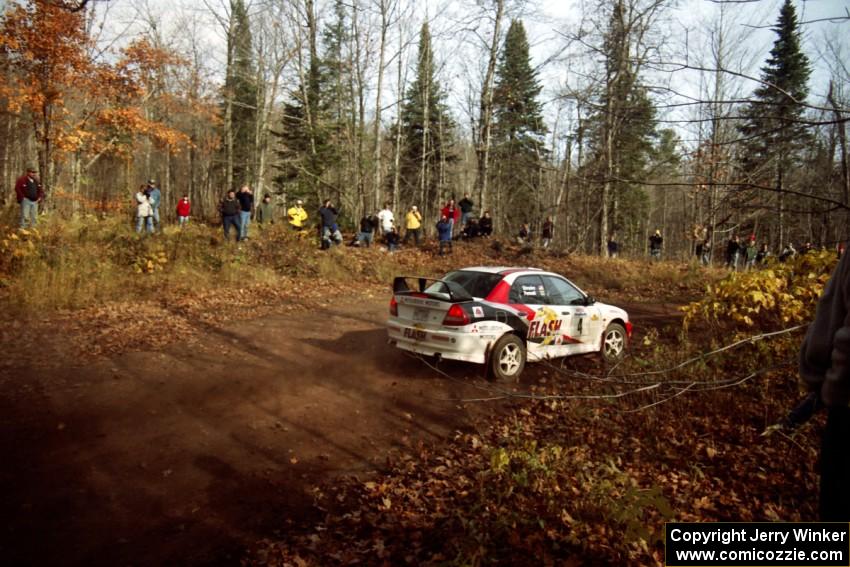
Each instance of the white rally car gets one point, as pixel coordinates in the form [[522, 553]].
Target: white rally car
[[502, 317]]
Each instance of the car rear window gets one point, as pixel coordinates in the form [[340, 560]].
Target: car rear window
[[476, 284]]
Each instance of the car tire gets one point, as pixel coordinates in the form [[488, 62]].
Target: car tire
[[614, 341], [507, 359]]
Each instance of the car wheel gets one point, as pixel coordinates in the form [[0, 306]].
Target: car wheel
[[507, 359], [614, 343]]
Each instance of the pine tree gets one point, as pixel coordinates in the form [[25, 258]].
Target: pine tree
[[240, 91], [427, 133], [773, 133], [519, 130]]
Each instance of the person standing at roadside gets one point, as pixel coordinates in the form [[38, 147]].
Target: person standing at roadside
[[387, 219], [656, 241], [329, 228], [297, 215], [184, 208], [368, 227], [547, 232], [230, 209], [444, 234], [825, 369], [155, 197], [751, 252], [452, 213], [733, 252], [613, 246], [246, 207], [465, 205], [265, 212], [29, 193], [144, 212], [413, 225]]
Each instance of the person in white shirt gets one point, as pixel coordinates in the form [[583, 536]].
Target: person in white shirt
[[387, 220]]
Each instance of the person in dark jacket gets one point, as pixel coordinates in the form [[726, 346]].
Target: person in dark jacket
[[246, 207], [230, 209], [656, 241], [29, 194], [471, 230], [825, 369], [329, 229], [613, 246], [524, 234], [444, 233], [368, 227], [392, 239], [265, 212], [485, 225], [733, 252], [465, 205], [547, 232]]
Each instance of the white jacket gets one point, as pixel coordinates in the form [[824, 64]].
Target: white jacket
[[387, 220], [144, 208]]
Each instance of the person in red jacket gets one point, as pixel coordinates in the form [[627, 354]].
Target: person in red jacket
[[29, 193], [184, 208], [452, 213]]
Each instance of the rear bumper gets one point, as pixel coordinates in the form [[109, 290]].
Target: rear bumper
[[452, 345]]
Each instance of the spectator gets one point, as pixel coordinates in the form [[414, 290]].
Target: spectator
[[144, 211], [547, 232], [733, 252], [413, 225], [155, 197], [368, 228], [656, 241], [246, 207], [29, 194], [297, 215], [444, 233], [762, 255], [184, 208], [451, 213], [705, 254], [788, 253], [613, 246], [825, 370], [485, 225], [466, 205], [806, 248], [387, 220], [750, 252], [230, 209], [524, 234], [392, 239], [471, 230], [265, 212], [840, 249], [329, 228]]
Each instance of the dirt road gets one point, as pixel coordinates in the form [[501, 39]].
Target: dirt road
[[187, 455]]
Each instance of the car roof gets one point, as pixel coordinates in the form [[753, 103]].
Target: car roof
[[504, 270]]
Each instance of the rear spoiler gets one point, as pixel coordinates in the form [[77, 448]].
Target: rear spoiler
[[455, 291]]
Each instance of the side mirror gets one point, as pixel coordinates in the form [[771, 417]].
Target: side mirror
[[589, 300]]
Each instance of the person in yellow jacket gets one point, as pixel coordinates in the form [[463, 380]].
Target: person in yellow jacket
[[297, 215], [413, 225]]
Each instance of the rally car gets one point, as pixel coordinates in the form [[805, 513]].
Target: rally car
[[503, 317]]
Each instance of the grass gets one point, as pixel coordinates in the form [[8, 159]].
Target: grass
[[74, 263]]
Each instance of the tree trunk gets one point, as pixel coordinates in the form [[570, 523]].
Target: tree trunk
[[485, 117]]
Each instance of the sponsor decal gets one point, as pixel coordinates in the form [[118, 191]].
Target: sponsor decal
[[478, 311], [595, 317], [545, 326]]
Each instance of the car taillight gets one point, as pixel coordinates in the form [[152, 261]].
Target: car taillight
[[629, 329], [456, 316], [393, 307]]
